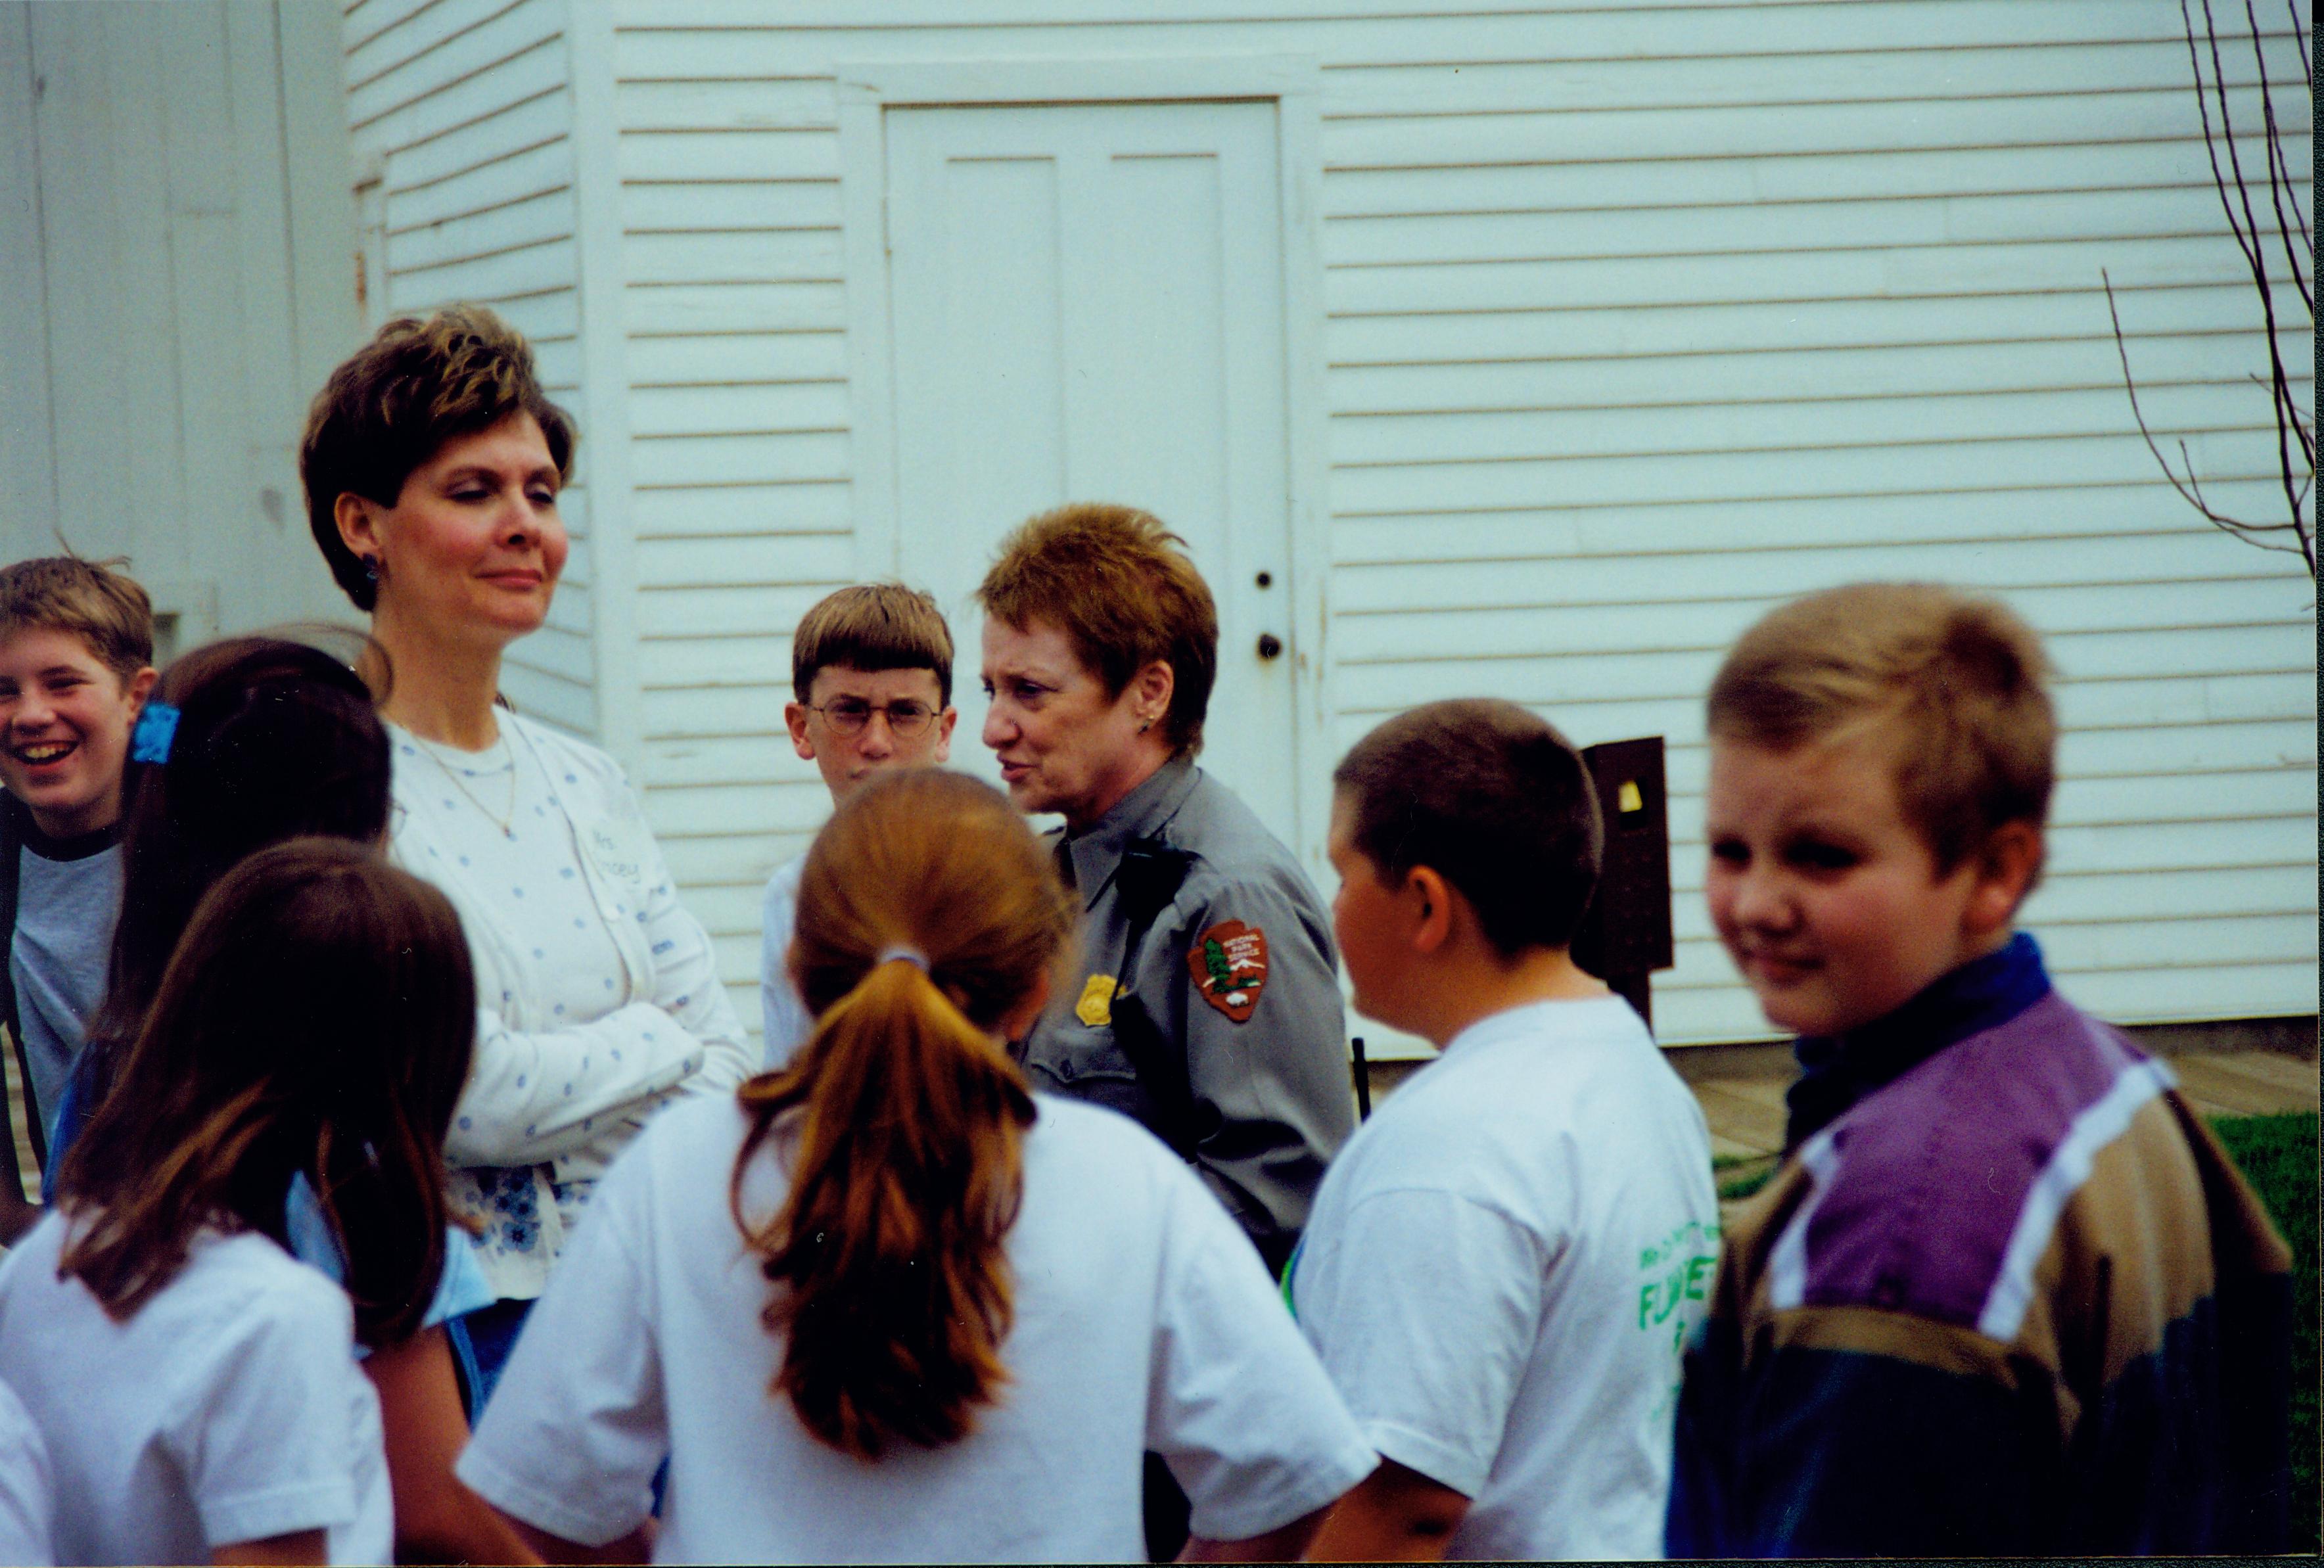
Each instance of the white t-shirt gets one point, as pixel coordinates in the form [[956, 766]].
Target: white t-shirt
[[788, 1023], [1502, 1266], [1143, 1321], [229, 1408], [28, 1486]]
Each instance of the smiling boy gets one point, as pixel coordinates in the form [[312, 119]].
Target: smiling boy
[[872, 684], [76, 663], [2007, 1296]]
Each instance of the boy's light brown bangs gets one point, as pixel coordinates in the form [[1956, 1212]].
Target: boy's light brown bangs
[[872, 626], [101, 607], [1955, 686]]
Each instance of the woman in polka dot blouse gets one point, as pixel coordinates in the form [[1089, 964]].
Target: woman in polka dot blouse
[[432, 463]]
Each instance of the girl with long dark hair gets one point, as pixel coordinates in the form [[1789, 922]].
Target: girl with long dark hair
[[254, 740], [193, 1382]]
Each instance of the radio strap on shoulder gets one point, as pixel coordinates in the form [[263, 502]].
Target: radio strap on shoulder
[[1149, 877]]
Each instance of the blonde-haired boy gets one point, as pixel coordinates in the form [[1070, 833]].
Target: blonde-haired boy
[[872, 689], [76, 663], [2007, 1296]]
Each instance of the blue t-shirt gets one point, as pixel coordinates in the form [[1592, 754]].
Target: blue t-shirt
[[69, 893], [459, 1289]]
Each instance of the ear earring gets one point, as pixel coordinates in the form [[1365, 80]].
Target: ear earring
[[370, 570]]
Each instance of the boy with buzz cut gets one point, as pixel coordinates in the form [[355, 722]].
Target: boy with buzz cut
[[76, 664], [1502, 1262], [2006, 1296], [872, 684]]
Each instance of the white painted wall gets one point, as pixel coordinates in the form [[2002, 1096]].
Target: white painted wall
[[1638, 321], [1634, 323], [174, 250]]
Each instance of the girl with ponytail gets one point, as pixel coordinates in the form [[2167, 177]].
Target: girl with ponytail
[[888, 1303]]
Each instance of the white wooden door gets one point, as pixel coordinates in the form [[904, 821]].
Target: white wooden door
[[1086, 304]]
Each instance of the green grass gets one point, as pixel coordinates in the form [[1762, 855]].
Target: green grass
[[1739, 1176], [2277, 1155]]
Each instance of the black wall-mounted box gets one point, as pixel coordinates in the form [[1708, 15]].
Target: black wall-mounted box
[[1626, 935]]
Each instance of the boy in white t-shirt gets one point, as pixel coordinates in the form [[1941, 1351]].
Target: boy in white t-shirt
[[871, 676], [1503, 1264]]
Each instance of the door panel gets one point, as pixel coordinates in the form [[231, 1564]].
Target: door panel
[[1087, 305]]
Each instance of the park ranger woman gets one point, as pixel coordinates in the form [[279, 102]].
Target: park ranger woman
[[1204, 1002]]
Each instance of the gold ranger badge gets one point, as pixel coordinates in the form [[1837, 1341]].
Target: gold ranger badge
[[1095, 1007]]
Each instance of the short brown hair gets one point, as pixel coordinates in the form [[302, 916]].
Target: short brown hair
[[102, 607], [1959, 685], [414, 386], [1491, 798], [872, 626], [1121, 586]]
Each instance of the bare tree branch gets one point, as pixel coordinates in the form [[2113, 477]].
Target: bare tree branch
[[2295, 435], [2278, 172], [2226, 132], [2189, 485]]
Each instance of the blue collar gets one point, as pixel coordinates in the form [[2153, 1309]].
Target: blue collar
[[1836, 1071]]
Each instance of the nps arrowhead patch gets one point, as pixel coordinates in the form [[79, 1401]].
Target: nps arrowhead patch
[[1228, 963]]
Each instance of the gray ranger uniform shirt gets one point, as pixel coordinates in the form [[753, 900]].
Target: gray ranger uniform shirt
[[1238, 972]]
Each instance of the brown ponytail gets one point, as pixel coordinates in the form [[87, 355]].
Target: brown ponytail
[[903, 1116]]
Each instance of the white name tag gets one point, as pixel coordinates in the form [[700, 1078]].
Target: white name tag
[[618, 850]]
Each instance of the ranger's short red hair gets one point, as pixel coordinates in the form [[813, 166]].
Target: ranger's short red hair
[[1122, 589]]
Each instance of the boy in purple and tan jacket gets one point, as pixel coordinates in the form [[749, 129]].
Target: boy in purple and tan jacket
[[2006, 1296]]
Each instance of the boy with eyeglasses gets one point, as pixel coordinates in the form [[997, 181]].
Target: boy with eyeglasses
[[872, 674]]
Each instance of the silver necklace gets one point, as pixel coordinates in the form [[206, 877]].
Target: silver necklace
[[506, 821]]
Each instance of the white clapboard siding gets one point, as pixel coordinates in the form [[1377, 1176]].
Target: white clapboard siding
[[174, 219], [1638, 320], [464, 109]]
